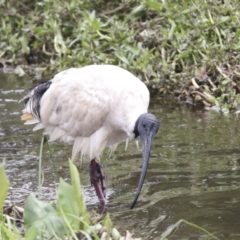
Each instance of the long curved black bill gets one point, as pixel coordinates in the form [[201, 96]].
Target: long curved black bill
[[145, 158]]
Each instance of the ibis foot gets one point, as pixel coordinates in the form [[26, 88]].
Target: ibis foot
[[98, 181]]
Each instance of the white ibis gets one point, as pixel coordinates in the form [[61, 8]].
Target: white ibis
[[94, 107]]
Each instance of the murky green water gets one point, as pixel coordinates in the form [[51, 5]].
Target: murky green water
[[194, 171]]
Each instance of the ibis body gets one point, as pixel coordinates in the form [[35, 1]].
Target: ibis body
[[93, 107]]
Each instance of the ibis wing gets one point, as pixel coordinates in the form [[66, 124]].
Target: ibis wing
[[91, 107], [73, 108]]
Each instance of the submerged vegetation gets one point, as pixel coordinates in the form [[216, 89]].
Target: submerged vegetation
[[187, 49]]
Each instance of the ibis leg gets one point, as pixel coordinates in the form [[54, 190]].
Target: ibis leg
[[98, 181]]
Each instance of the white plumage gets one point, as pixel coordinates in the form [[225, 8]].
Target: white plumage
[[93, 107]]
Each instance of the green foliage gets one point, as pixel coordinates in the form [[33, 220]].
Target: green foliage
[[165, 43], [7, 229], [78, 195], [70, 216], [108, 224], [69, 220], [41, 219], [4, 187]]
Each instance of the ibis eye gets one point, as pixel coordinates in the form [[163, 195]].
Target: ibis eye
[[144, 125]]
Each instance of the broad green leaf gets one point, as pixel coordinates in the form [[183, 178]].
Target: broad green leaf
[[67, 204], [4, 187], [32, 233], [76, 184], [41, 220], [108, 224]]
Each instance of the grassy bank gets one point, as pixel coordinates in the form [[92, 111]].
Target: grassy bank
[[186, 49]]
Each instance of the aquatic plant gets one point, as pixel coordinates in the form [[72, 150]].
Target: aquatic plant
[[69, 219]]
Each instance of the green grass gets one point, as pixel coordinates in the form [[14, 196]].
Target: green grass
[[187, 49]]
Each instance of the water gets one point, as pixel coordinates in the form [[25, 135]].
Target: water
[[193, 174]]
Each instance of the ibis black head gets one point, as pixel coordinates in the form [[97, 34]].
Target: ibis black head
[[146, 127]]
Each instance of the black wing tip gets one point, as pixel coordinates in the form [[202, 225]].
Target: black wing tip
[[33, 98], [37, 95]]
